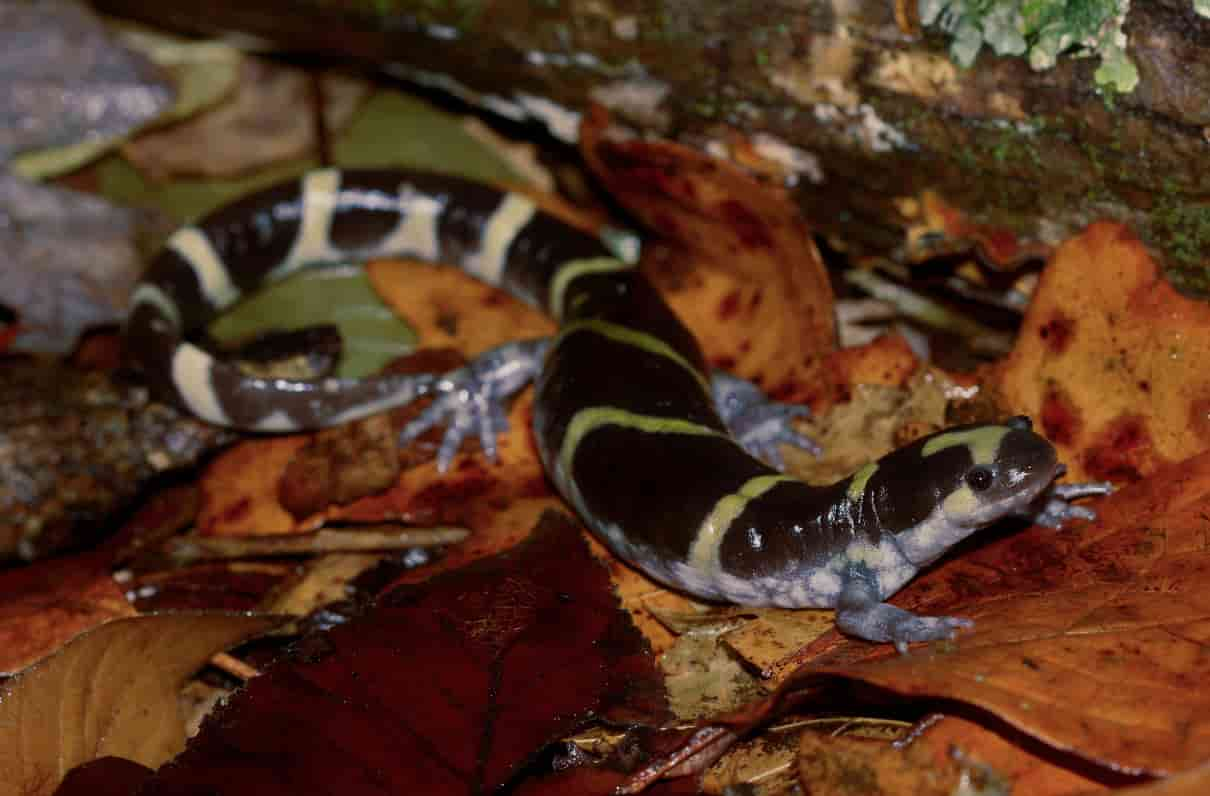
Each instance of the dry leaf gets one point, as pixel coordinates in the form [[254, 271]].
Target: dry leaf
[[1017, 762], [445, 687], [265, 122], [44, 604], [734, 259], [1113, 362], [111, 691], [831, 765]]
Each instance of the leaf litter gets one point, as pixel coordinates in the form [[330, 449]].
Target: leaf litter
[[1044, 599]]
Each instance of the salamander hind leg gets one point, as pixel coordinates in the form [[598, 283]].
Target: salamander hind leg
[[473, 400], [760, 425], [860, 612]]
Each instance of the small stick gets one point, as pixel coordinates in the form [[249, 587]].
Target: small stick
[[192, 549], [234, 666]]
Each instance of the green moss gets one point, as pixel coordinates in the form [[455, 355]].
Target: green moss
[[1183, 229]]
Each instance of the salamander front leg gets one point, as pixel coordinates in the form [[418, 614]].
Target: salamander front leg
[[861, 612], [473, 399], [1054, 507], [760, 425]]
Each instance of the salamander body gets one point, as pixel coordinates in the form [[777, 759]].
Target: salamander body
[[632, 427]]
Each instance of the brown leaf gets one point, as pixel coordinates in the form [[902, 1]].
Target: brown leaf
[[952, 755], [239, 489], [1195, 782], [1025, 765], [111, 691], [263, 123], [1113, 362], [44, 604], [444, 687], [734, 259], [836, 765], [341, 464]]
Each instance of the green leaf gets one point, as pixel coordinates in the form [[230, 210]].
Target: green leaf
[[372, 334], [392, 129]]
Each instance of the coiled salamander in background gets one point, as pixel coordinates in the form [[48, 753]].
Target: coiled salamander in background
[[658, 455]]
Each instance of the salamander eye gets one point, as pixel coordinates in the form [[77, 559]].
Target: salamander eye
[[979, 478]]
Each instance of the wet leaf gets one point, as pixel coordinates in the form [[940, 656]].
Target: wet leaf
[[371, 334], [111, 691], [444, 687], [1113, 362]]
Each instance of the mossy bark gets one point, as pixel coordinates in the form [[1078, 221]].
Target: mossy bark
[[864, 113]]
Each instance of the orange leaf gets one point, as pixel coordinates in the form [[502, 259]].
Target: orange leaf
[[734, 258], [1112, 360]]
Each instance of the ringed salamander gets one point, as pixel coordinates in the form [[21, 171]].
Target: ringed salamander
[[660, 457]]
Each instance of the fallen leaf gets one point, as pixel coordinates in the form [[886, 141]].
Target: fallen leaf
[[258, 124], [1111, 360], [1195, 782], [944, 230], [239, 489], [111, 691], [1030, 768], [390, 129], [323, 579], [225, 586], [105, 776], [44, 604], [371, 335], [734, 259], [836, 765], [449, 309], [448, 686]]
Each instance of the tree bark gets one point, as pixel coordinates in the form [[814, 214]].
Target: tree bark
[[891, 148]]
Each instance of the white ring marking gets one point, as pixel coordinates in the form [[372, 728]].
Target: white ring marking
[[498, 234], [320, 191], [215, 282], [192, 370], [416, 233]]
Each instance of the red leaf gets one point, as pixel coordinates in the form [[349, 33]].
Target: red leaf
[[445, 687]]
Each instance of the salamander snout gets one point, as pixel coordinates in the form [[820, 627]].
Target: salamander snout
[[1026, 460]]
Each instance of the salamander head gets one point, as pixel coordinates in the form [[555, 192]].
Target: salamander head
[[1008, 466], [965, 478]]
